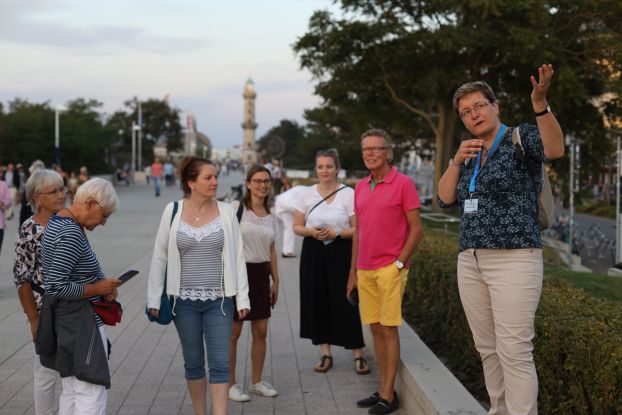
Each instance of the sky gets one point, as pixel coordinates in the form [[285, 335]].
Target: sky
[[199, 52]]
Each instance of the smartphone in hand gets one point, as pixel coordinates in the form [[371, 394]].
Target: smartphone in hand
[[128, 275]]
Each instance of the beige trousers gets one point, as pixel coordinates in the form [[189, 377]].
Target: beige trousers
[[500, 291]]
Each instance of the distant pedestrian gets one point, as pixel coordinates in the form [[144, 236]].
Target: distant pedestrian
[[12, 180], [496, 185], [201, 253], [156, 175], [285, 207], [325, 218], [69, 328], [388, 229], [169, 174], [148, 174], [5, 203], [277, 176], [46, 194], [259, 228]]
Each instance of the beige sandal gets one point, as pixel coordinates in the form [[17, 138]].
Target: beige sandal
[[361, 366], [325, 363]]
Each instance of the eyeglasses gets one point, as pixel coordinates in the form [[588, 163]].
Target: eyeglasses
[[259, 182], [368, 150], [104, 213], [58, 192], [475, 109]]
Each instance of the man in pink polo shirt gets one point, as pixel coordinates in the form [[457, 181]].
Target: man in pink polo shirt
[[388, 229]]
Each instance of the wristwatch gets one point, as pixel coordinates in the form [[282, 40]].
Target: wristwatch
[[399, 264], [544, 112]]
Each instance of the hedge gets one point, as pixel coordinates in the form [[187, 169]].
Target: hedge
[[578, 343]]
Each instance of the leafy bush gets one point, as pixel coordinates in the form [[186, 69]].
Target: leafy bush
[[578, 344]]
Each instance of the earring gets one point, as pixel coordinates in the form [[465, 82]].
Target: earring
[[193, 189]]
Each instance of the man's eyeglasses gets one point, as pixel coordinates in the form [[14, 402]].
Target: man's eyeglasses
[[58, 192], [259, 182], [368, 150], [475, 109]]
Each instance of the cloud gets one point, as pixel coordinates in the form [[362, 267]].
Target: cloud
[[28, 23]]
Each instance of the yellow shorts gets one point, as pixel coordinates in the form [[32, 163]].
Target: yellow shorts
[[380, 295]]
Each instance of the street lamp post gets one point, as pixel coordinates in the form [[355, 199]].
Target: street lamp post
[[57, 111], [140, 137], [135, 128]]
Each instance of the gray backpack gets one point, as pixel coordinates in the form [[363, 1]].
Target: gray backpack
[[546, 204]]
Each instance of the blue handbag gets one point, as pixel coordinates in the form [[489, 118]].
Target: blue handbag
[[165, 315]]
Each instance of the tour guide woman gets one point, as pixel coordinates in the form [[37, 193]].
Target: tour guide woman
[[500, 261], [201, 254]]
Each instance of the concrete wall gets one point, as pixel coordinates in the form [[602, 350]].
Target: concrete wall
[[425, 386]]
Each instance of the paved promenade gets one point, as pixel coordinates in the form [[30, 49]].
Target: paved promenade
[[146, 363]]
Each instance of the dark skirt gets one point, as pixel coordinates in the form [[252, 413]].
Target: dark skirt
[[326, 316], [258, 291]]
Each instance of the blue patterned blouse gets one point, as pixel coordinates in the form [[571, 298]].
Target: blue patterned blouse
[[507, 212]]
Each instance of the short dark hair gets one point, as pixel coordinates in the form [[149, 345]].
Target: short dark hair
[[471, 87], [189, 168]]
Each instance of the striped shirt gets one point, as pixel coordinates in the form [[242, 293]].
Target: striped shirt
[[200, 250], [68, 260]]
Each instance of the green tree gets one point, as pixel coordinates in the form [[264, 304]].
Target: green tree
[[160, 121], [85, 140], [27, 132], [397, 63]]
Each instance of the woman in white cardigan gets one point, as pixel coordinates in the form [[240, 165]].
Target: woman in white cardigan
[[201, 253]]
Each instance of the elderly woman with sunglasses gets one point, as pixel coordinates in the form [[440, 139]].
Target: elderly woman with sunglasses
[[496, 185], [46, 195], [72, 276]]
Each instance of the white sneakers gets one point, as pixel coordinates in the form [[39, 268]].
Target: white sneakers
[[236, 394], [262, 388]]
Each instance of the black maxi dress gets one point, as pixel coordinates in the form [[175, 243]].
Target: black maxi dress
[[326, 316]]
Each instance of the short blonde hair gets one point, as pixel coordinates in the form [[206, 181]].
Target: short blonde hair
[[101, 191], [38, 181]]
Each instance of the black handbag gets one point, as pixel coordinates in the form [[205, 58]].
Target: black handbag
[[165, 315]]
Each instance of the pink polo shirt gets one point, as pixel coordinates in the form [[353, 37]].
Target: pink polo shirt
[[381, 218]]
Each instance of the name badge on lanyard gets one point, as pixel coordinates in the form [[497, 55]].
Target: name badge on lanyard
[[470, 205]]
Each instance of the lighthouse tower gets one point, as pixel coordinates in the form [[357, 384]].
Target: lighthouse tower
[[249, 156]]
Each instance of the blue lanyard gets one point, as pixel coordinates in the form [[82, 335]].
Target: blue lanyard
[[478, 166]]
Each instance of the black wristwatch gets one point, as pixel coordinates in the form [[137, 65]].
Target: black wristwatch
[[544, 112]]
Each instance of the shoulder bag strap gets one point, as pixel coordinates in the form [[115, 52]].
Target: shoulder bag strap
[[240, 211], [519, 146], [322, 201], [175, 208]]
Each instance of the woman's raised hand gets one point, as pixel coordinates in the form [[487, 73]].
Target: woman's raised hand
[[541, 88]]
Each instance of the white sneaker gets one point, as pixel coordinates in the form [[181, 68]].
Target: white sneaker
[[236, 394], [263, 388]]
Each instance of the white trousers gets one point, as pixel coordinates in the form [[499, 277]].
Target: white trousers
[[289, 237], [83, 398], [44, 388], [13, 192], [500, 291]]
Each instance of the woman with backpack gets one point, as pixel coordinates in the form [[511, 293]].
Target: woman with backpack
[[496, 185], [260, 228]]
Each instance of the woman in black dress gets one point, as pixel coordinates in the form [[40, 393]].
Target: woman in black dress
[[324, 217]]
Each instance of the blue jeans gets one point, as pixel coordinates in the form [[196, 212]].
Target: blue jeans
[[199, 320], [156, 182]]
